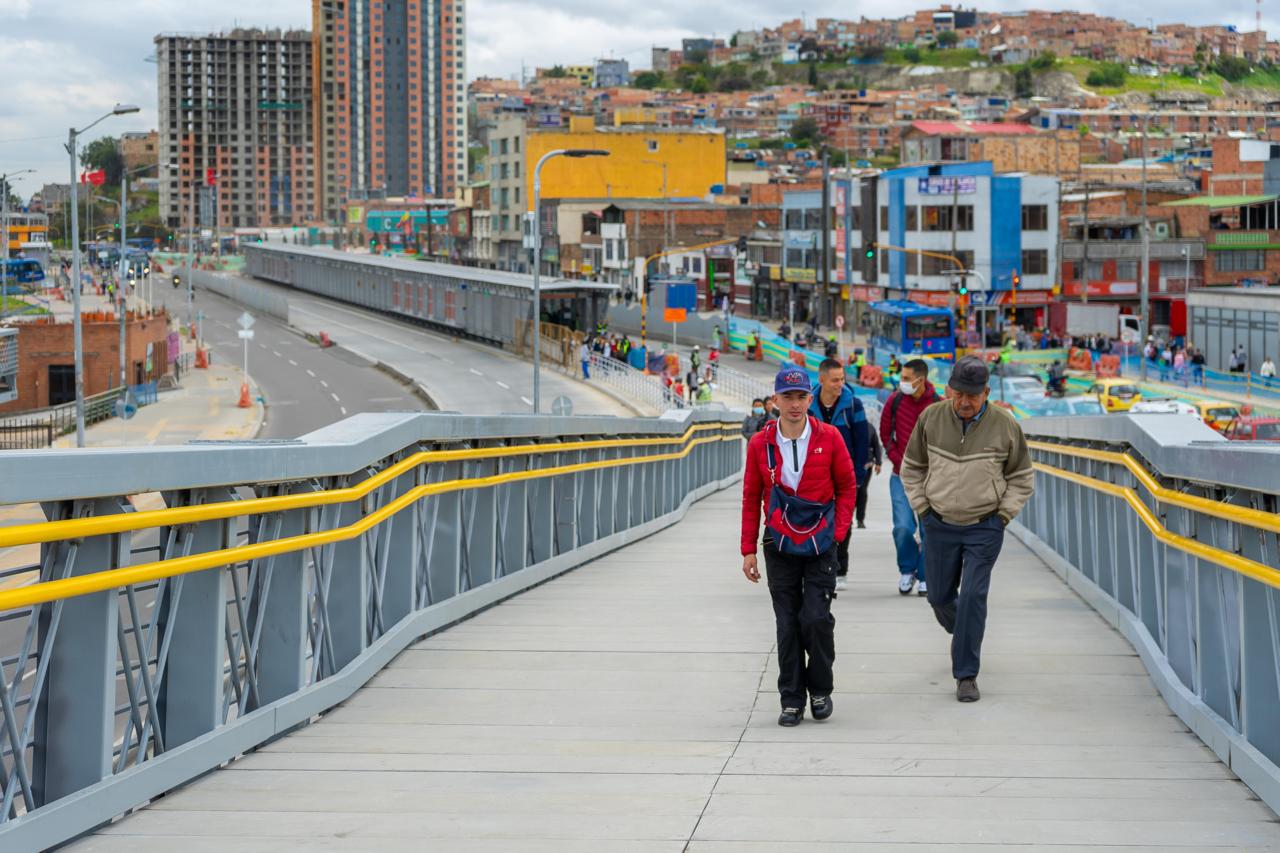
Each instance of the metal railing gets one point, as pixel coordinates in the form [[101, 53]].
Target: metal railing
[[634, 384], [1171, 533], [149, 646], [42, 427], [738, 385]]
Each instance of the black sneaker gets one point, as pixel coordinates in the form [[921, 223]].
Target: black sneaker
[[791, 716], [821, 706], [862, 525], [967, 690]]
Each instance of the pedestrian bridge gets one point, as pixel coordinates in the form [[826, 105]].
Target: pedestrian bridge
[[373, 639]]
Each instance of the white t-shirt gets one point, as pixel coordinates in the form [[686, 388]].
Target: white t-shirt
[[792, 456]]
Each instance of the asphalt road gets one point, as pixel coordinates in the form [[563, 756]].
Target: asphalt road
[[304, 387], [461, 376]]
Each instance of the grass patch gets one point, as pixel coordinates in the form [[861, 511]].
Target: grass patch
[[15, 306], [1207, 84]]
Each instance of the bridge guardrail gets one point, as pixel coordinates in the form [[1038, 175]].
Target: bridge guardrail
[[155, 645], [648, 390], [1172, 534]]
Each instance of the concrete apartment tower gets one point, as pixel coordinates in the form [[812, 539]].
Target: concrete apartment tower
[[235, 114], [390, 100]]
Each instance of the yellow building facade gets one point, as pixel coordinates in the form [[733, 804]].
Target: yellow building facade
[[643, 162]]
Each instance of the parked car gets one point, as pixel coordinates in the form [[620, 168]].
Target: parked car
[[1116, 395], [1164, 407], [1016, 388], [1253, 429], [1063, 406], [1217, 414]]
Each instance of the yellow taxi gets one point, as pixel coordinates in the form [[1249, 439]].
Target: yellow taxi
[[1116, 395], [1217, 414]]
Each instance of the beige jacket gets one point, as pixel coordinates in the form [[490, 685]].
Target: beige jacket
[[965, 477]]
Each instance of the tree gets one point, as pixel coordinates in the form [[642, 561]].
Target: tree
[[556, 71], [697, 56], [805, 131], [1233, 68], [947, 38], [759, 78], [699, 85], [911, 54], [870, 53], [813, 74], [1023, 82], [647, 80], [1044, 62], [103, 154], [1111, 74]]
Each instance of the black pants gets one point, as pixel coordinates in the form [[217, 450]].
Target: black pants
[[860, 516], [802, 589], [957, 567]]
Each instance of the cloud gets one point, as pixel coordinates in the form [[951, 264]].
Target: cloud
[[68, 61]]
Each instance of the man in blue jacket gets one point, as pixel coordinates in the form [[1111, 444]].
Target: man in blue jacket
[[835, 403]]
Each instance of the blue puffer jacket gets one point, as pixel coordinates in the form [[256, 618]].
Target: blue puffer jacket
[[851, 419]]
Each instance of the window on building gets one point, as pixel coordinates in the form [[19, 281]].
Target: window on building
[[651, 144], [913, 218], [813, 220], [884, 263], [855, 219], [1095, 271], [793, 220], [947, 217], [1035, 217], [608, 250], [502, 146], [1250, 260], [1126, 270], [945, 266], [884, 218], [515, 143], [1034, 261]]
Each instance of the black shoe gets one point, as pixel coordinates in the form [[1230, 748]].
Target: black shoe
[[791, 716], [821, 706], [967, 690], [862, 525]]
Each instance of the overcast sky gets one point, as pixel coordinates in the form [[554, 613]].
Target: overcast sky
[[65, 62]]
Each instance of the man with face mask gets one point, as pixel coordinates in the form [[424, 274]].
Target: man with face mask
[[755, 421], [967, 472], [901, 411]]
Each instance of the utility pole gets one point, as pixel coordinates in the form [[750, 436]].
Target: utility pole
[[824, 277], [1084, 264], [1144, 320]]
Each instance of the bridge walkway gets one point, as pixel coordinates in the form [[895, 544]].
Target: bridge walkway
[[629, 705]]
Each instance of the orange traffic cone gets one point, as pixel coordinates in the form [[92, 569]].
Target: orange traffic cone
[[244, 396], [202, 359]]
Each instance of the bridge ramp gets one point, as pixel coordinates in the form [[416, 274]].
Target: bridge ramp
[[630, 706]]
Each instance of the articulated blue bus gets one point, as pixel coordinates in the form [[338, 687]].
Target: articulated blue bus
[[903, 327], [23, 271]]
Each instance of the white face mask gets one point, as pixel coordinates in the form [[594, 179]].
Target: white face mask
[[907, 387]]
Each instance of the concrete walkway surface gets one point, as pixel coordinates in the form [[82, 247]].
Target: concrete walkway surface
[[630, 706]]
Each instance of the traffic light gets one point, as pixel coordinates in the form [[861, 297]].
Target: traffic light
[[964, 288], [177, 281], [871, 251], [1017, 280]]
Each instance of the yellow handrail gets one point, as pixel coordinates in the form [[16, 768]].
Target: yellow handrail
[[74, 528], [144, 572], [1242, 515], [1235, 562]]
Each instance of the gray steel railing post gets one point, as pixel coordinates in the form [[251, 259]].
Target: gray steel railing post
[[588, 497], [348, 596], [75, 715], [480, 518], [541, 512], [279, 615], [442, 536], [193, 620], [512, 518], [401, 549]]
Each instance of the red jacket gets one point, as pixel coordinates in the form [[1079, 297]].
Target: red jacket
[[828, 471], [909, 411]]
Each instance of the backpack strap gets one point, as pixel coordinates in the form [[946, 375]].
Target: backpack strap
[[893, 416]]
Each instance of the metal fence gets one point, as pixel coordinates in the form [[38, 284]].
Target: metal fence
[[738, 385], [158, 644], [647, 390], [1171, 533], [42, 427]]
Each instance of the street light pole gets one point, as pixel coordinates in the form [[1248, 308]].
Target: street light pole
[[537, 259], [78, 334]]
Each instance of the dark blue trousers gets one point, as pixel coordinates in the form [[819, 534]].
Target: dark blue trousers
[[957, 567]]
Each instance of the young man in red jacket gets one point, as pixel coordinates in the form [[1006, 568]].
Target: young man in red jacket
[[901, 411], [799, 472]]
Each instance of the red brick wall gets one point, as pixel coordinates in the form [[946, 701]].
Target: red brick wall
[[43, 344]]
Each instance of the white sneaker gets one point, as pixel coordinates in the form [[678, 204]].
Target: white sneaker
[[922, 589], [906, 583], [841, 582]]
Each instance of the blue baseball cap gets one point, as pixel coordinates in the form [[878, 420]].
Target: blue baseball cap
[[791, 378]]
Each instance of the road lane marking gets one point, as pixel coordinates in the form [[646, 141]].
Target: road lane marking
[[335, 397], [291, 361], [276, 354], [503, 385], [476, 372], [311, 373], [325, 384], [344, 409], [527, 401]]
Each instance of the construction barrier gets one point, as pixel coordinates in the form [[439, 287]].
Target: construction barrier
[[1108, 366], [1080, 359], [872, 376]]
